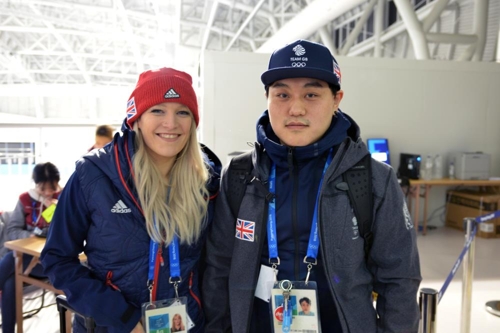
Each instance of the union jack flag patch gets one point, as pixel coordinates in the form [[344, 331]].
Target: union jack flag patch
[[336, 71], [245, 230], [131, 109]]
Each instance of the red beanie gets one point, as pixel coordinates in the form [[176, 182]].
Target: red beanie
[[158, 86]]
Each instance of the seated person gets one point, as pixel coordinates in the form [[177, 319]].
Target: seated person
[[31, 217]]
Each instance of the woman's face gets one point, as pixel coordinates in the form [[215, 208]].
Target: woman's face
[[166, 129], [46, 189], [177, 321]]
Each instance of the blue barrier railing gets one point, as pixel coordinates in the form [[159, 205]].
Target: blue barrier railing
[[479, 219], [429, 298]]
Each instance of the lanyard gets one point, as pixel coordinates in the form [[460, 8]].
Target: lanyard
[[33, 212], [313, 246], [156, 259]]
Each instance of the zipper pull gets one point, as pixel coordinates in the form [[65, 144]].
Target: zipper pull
[[290, 160], [160, 252]]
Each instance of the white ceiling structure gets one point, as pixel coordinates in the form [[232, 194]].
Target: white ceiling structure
[[109, 42]]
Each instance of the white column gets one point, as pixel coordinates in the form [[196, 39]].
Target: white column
[[480, 26], [414, 29], [378, 27]]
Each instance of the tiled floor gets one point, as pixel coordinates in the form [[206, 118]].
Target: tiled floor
[[439, 250]]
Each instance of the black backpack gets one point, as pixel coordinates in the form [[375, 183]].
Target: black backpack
[[357, 181]]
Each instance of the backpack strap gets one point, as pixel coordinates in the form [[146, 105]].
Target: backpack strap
[[239, 173], [359, 182]]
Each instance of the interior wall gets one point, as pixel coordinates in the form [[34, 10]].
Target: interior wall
[[422, 107]]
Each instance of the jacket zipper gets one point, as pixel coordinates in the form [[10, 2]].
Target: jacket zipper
[[294, 173], [322, 248], [263, 238]]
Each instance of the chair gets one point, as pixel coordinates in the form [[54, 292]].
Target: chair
[[63, 306], [27, 290]]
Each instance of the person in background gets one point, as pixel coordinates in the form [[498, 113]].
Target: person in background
[[31, 217], [305, 224], [148, 194], [103, 136]]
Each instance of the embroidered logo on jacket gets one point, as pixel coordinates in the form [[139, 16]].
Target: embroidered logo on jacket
[[406, 213], [355, 228], [120, 207], [245, 230]]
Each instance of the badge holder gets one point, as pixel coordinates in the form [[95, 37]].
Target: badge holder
[[294, 307], [165, 316]]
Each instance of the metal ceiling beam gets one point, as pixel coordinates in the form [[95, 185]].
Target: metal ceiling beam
[[480, 27], [390, 33], [308, 21], [210, 23], [414, 28], [353, 35], [244, 25], [451, 38], [132, 38], [64, 44], [378, 26], [435, 13], [326, 37]]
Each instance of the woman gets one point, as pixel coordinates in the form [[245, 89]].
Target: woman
[[137, 198], [177, 325], [30, 218]]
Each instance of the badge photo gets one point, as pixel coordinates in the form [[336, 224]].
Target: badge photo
[[303, 304], [167, 316]]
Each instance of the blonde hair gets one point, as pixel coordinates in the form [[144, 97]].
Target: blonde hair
[[178, 205]]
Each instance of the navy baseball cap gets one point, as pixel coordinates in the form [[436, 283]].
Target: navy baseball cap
[[302, 58]]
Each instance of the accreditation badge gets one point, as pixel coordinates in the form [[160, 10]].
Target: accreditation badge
[[166, 316], [294, 307]]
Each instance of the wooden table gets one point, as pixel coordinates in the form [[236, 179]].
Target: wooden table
[[32, 246], [417, 184]]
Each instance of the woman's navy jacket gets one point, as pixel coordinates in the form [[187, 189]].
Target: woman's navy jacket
[[98, 214]]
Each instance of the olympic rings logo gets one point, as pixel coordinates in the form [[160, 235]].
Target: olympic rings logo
[[298, 64]]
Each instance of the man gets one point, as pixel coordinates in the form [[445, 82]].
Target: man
[[103, 136], [304, 145]]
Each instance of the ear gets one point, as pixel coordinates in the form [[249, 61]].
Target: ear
[[338, 98]]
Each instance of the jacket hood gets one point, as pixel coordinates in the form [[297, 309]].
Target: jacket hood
[[342, 126]]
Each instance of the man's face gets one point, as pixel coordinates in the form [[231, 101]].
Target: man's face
[[301, 110], [101, 141], [306, 307]]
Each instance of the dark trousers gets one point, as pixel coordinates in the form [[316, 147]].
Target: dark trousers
[[8, 288]]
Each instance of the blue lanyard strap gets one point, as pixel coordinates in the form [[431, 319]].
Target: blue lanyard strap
[[174, 262], [33, 212], [153, 249], [175, 265], [313, 246], [271, 221]]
